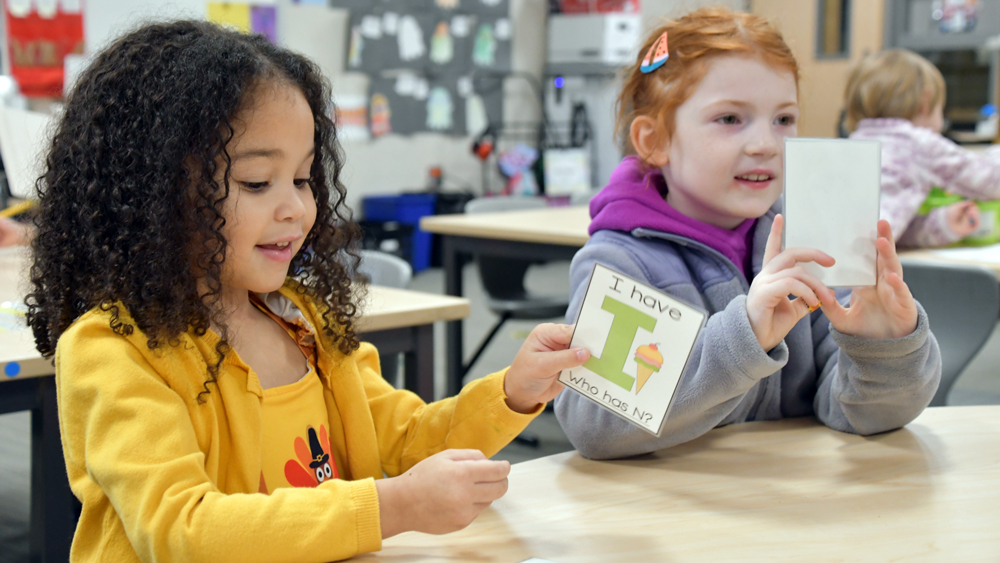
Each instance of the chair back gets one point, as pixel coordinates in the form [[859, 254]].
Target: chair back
[[382, 268], [963, 304], [503, 278]]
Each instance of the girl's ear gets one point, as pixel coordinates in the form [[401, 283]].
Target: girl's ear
[[647, 140]]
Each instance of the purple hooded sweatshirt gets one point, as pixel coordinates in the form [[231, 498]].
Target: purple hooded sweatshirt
[[634, 198]]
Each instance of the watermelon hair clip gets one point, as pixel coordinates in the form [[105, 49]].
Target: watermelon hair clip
[[656, 56]]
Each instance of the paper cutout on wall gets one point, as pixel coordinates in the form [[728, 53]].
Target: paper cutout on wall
[[442, 47], [406, 84], [475, 115], [234, 16], [410, 38], [381, 115], [371, 27], [502, 29], [461, 26], [357, 46], [464, 86], [70, 6], [439, 109], [263, 20], [421, 89], [352, 117], [484, 50], [390, 23], [19, 8], [46, 8]]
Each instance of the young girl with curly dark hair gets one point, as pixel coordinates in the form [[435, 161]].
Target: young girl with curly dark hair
[[193, 260]]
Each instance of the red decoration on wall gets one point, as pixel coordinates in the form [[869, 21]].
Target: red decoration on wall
[[599, 6], [37, 46]]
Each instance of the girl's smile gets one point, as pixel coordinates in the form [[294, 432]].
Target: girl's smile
[[757, 179], [271, 208]]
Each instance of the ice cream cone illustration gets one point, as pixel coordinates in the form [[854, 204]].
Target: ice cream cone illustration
[[649, 360]]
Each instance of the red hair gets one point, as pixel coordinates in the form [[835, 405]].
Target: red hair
[[694, 40]]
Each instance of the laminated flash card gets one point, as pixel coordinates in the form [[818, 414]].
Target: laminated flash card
[[640, 340], [831, 203]]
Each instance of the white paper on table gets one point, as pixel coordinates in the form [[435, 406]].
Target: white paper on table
[[640, 340], [831, 203]]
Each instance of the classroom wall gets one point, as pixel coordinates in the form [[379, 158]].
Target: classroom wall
[[823, 81]]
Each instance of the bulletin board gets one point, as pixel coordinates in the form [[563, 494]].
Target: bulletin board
[[427, 60]]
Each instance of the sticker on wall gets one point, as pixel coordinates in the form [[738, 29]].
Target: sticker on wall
[[390, 23], [485, 47], [502, 29], [357, 46], [410, 39], [476, 120], [442, 47], [955, 16], [439, 109], [381, 115]]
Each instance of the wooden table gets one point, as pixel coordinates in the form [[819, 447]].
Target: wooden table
[[765, 491], [554, 233], [395, 320]]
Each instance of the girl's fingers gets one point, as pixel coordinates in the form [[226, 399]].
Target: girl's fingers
[[773, 246], [888, 260], [798, 255], [793, 286]]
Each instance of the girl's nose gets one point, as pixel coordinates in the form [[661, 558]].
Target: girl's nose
[[291, 207], [764, 142]]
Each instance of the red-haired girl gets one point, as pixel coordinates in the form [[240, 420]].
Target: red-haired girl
[[693, 211]]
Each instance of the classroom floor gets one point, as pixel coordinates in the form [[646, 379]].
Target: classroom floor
[[978, 385]]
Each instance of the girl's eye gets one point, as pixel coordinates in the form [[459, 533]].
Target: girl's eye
[[786, 120], [302, 182], [254, 186], [729, 120]]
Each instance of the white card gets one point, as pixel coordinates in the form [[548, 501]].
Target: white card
[[639, 339], [831, 202]]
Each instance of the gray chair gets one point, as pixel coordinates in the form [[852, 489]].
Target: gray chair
[[503, 278], [382, 268], [962, 303]]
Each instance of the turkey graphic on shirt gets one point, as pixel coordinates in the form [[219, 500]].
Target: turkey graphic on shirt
[[315, 463]]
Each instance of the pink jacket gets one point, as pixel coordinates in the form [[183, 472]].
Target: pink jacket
[[915, 159]]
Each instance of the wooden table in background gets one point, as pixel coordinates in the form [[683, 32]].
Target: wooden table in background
[[395, 320], [790, 490], [553, 233]]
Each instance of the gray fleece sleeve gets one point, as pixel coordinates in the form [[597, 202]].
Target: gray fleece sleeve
[[871, 386], [725, 366]]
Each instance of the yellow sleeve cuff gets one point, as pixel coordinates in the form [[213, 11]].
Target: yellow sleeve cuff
[[369, 520]]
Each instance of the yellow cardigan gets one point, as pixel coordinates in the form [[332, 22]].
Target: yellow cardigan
[[164, 478]]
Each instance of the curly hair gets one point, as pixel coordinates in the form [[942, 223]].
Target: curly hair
[[130, 203]]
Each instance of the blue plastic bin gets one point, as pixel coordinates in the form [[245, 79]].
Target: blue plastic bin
[[406, 209]]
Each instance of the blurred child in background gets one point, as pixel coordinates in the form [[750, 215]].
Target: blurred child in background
[[897, 97]]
